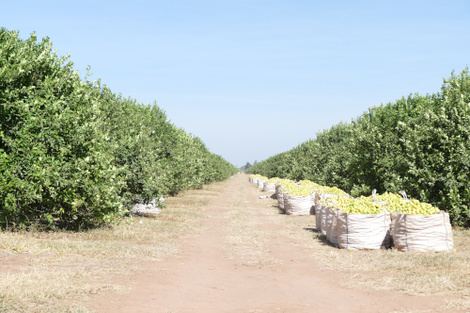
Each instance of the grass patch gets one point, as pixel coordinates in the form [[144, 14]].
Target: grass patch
[[412, 273], [247, 241], [56, 271]]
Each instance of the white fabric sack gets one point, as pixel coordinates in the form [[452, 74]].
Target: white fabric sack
[[323, 211], [298, 205], [261, 183], [280, 198], [269, 187], [280, 201], [150, 208], [364, 231], [314, 204], [318, 215], [331, 225], [278, 191], [323, 220], [255, 180], [393, 216], [421, 233], [317, 205]]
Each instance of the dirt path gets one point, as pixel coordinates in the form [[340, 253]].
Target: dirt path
[[241, 263]]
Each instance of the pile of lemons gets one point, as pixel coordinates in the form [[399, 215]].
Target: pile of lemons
[[353, 205], [273, 180], [375, 204]]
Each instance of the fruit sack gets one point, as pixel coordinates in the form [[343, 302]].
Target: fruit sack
[[269, 187], [261, 182], [323, 215], [298, 205], [280, 192], [319, 205], [363, 231], [320, 210], [280, 197], [422, 233], [331, 224], [319, 217]]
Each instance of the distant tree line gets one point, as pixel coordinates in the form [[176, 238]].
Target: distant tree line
[[246, 166]]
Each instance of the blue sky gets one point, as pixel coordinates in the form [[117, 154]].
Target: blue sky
[[255, 78]]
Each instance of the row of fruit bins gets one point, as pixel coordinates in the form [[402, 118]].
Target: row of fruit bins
[[365, 223]]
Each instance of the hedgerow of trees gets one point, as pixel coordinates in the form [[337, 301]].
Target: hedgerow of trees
[[420, 144], [74, 154]]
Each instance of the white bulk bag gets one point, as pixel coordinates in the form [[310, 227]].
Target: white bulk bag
[[318, 215], [331, 222], [323, 220], [364, 231], [297, 205], [420, 233], [280, 197], [269, 187], [321, 208]]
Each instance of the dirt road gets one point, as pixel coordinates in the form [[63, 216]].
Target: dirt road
[[243, 261]]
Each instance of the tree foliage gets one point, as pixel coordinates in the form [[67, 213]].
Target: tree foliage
[[420, 144], [73, 153]]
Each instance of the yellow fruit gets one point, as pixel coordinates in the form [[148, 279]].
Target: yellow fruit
[[273, 180], [396, 203]]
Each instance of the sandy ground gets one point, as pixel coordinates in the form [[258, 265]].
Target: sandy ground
[[206, 277]]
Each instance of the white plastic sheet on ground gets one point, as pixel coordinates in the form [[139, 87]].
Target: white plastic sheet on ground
[[150, 208], [421, 233], [364, 231]]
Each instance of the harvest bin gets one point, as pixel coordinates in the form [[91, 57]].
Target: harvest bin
[[363, 231], [421, 233], [269, 187], [297, 205]]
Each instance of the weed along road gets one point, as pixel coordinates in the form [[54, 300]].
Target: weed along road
[[242, 255]]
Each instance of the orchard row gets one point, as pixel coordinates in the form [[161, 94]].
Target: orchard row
[[74, 154], [420, 144]]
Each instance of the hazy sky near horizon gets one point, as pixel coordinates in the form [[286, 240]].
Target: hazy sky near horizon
[[254, 78]]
